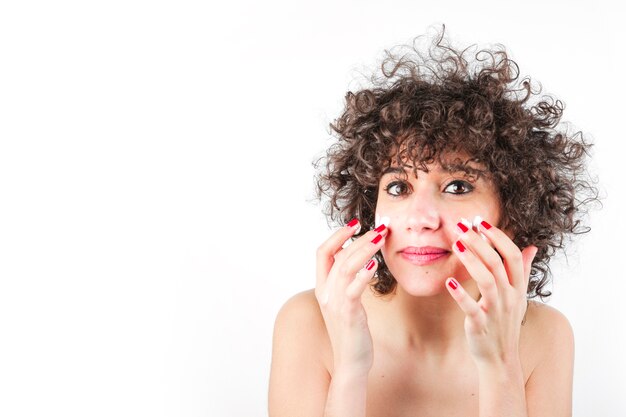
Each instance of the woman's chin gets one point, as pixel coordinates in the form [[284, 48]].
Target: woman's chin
[[422, 286], [426, 283]]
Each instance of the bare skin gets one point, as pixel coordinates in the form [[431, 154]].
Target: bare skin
[[403, 380], [342, 350]]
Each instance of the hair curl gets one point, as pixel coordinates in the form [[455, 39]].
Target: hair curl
[[425, 105]]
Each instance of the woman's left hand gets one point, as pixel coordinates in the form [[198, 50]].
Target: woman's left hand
[[493, 323]]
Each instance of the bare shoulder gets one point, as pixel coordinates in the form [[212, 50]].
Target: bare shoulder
[[302, 309], [548, 320], [551, 339], [546, 333], [300, 322], [299, 378], [547, 336]]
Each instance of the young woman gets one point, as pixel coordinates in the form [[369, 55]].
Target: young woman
[[455, 189]]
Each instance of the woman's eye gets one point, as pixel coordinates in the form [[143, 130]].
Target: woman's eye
[[460, 187], [396, 188]]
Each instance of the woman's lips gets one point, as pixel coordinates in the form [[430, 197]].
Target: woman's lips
[[424, 259]]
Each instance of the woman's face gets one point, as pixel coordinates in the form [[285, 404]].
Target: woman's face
[[423, 214]]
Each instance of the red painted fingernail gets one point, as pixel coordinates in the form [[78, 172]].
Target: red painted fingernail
[[353, 222], [485, 225], [460, 246], [370, 265], [453, 284], [380, 228], [462, 227], [377, 239]]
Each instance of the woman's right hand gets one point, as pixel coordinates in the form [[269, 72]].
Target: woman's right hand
[[342, 276]]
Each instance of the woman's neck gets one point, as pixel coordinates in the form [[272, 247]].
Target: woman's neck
[[430, 326]]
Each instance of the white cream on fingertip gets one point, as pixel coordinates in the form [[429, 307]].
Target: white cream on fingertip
[[476, 225], [466, 222]]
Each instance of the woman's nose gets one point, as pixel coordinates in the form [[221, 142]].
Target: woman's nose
[[423, 212]]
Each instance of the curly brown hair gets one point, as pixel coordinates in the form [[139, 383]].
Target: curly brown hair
[[426, 105]]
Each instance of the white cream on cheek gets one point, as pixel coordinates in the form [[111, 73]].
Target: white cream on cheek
[[378, 220]]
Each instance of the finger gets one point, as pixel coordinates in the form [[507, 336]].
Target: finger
[[469, 306], [328, 249], [482, 249], [363, 277], [478, 271], [343, 271], [357, 244], [528, 255], [511, 255], [355, 257]]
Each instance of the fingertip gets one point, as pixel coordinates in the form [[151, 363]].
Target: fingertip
[[355, 225], [536, 249], [452, 284]]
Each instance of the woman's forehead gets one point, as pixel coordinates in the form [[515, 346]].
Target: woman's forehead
[[452, 162]]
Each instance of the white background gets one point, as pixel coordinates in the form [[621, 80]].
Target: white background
[[156, 178]]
